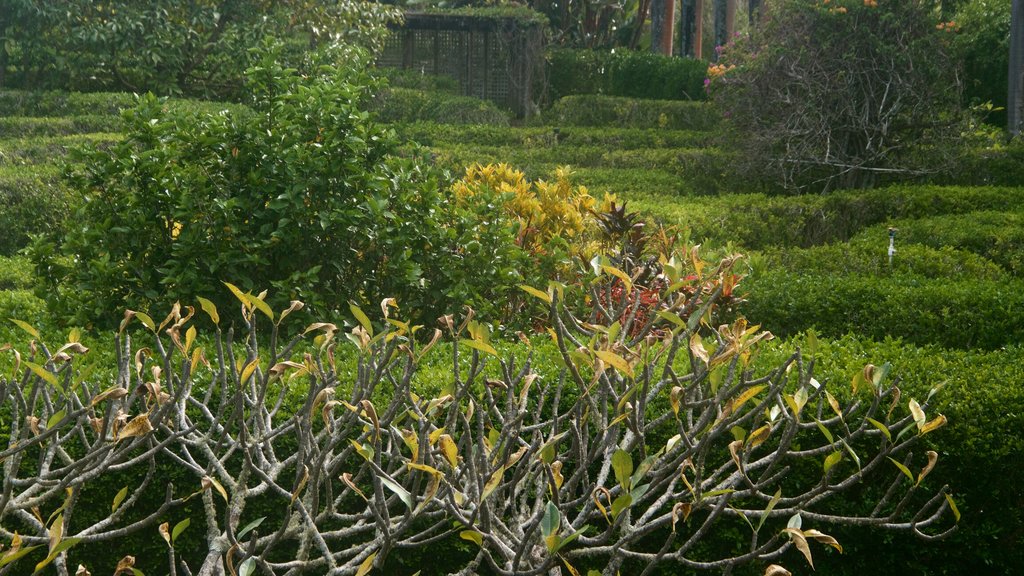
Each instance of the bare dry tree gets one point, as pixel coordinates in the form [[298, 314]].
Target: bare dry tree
[[652, 431]]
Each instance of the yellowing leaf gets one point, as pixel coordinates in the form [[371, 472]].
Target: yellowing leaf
[[952, 506], [937, 422], [915, 410], [618, 274], [492, 483], [798, 539], [361, 316], [138, 426], [736, 403], [933, 457], [210, 309], [472, 536], [904, 469], [449, 449], [43, 373], [210, 482], [697, 348], [366, 565], [248, 370], [615, 361], [537, 293], [118, 499], [481, 346], [26, 327], [831, 460]]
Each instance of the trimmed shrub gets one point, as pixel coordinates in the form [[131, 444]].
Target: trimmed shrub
[[55, 103], [1000, 165], [866, 256], [756, 221], [24, 127], [632, 74], [33, 200], [401, 105], [554, 140], [968, 313], [995, 235], [616, 112], [413, 80], [41, 150], [15, 273]]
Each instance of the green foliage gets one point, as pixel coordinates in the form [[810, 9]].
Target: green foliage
[[756, 221], [995, 235], [616, 112], [415, 80], [15, 273], [61, 103], [407, 105], [994, 165], [627, 73], [33, 200], [20, 304], [845, 94], [555, 140], [17, 127], [171, 47], [46, 149], [297, 194], [969, 313], [983, 44]]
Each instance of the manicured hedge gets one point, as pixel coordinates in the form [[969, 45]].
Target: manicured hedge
[[33, 199], [416, 80], [27, 103], [757, 221], [964, 313], [998, 166], [616, 112], [625, 73], [27, 126], [981, 453], [15, 273], [553, 139], [41, 150], [867, 257], [407, 105], [996, 235]]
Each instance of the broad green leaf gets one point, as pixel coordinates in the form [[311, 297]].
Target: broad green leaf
[[146, 320], [472, 536], [824, 431], [247, 567], [55, 419], [715, 493], [882, 427], [10, 557], [43, 373], [180, 527], [26, 327], [210, 309], [537, 293], [831, 460], [57, 550], [551, 521], [622, 464], [397, 488], [361, 316], [771, 506], [118, 499], [618, 274], [904, 469], [621, 503], [562, 543], [481, 346]]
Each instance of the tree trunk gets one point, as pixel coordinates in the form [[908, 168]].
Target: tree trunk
[[698, 29], [663, 18], [1015, 99]]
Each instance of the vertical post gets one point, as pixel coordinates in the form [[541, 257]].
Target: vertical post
[[487, 64], [698, 29], [730, 20], [437, 51], [1015, 97], [408, 48], [686, 27]]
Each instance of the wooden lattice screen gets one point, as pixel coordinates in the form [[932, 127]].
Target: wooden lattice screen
[[494, 58]]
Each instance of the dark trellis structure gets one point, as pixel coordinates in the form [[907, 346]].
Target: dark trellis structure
[[495, 58]]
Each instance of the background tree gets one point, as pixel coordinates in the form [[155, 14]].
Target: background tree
[[1015, 100], [842, 95]]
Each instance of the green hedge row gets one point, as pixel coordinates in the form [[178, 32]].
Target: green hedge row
[[552, 138], [757, 221], [30, 126], [15, 273], [625, 73], [996, 235], [966, 313], [981, 453], [400, 105], [40, 150], [27, 103], [33, 199], [415, 80], [998, 166], [867, 257], [616, 112]]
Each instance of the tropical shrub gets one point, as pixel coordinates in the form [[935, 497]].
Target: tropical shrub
[[842, 94], [296, 192], [642, 446], [983, 44]]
